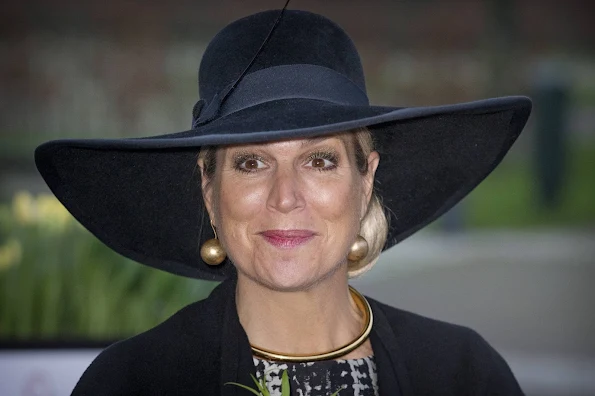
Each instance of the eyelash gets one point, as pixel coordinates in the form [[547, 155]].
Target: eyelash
[[326, 155], [241, 158]]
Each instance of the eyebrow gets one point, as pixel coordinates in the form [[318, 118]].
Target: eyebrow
[[314, 140]]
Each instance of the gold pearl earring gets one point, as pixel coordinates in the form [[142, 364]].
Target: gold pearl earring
[[358, 250], [211, 251]]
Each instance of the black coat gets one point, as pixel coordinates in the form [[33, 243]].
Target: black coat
[[203, 346]]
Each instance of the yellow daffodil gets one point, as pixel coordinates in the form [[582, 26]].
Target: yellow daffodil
[[51, 213], [23, 208], [45, 210], [11, 253]]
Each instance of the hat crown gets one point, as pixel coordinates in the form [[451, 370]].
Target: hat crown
[[300, 38]]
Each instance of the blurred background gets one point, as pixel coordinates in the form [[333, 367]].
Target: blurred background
[[515, 260]]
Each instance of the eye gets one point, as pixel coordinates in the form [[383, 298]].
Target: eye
[[322, 161], [248, 163], [251, 164]]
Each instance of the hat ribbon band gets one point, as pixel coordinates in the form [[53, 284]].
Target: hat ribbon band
[[300, 81]]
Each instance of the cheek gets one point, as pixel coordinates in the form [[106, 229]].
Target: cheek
[[337, 203], [237, 206], [238, 202]]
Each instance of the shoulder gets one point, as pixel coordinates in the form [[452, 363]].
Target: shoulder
[[454, 356], [157, 358], [426, 332]]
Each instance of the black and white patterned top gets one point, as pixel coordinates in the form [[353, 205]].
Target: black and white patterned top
[[357, 377]]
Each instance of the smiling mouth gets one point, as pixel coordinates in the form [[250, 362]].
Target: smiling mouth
[[287, 239]]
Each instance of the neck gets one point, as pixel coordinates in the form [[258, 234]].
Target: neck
[[310, 321]]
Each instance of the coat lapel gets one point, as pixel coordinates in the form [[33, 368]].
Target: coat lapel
[[393, 379], [236, 355]]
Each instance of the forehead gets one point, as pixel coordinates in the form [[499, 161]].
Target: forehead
[[337, 139]]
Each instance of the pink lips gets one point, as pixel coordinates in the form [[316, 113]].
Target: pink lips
[[287, 238]]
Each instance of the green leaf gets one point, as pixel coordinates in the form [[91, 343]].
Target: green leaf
[[337, 392], [285, 384], [265, 391], [261, 385], [245, 387]]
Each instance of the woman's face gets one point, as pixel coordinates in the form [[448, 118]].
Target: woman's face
[[287, 212]]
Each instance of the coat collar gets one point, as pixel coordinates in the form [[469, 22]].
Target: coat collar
[[393, 378], [236, 355]]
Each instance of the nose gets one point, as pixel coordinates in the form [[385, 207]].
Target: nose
[[285, 194]]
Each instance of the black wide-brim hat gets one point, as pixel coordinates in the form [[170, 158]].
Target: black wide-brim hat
[[142, 197]]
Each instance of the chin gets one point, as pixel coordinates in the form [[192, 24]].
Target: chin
[[287, 276], [287, 270], [290, 276]]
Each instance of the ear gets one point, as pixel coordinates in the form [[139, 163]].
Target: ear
[[206, 185], [368, 179]]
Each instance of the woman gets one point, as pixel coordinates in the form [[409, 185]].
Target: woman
[[291, 187]]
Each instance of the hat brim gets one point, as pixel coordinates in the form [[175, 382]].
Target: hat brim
[[142, 197]]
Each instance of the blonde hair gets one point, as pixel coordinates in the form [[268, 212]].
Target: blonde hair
[[374, 224]]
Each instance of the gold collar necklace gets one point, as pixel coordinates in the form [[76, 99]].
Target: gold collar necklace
[[362, 305]]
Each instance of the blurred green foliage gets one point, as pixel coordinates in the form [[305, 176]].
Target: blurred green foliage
[[57, 281], [509, 197]]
